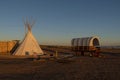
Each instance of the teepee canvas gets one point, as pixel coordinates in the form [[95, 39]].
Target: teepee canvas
[[29, 45]]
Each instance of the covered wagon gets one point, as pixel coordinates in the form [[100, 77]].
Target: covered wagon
[[86, 44]]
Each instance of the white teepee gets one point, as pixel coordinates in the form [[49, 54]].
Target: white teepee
[[29, 45]]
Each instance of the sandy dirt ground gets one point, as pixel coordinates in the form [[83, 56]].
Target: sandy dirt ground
[[106, 67]]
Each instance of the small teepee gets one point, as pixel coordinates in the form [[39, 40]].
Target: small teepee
[[29, 45]]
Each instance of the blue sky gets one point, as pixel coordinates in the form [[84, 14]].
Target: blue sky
[[58, 21]]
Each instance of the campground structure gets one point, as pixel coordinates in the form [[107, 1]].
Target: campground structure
[[29, 45], [86, 44], [8, 46]]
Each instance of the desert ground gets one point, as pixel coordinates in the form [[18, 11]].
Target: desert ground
[[65, 67]]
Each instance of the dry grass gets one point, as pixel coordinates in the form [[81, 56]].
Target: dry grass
[[106, 67]]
